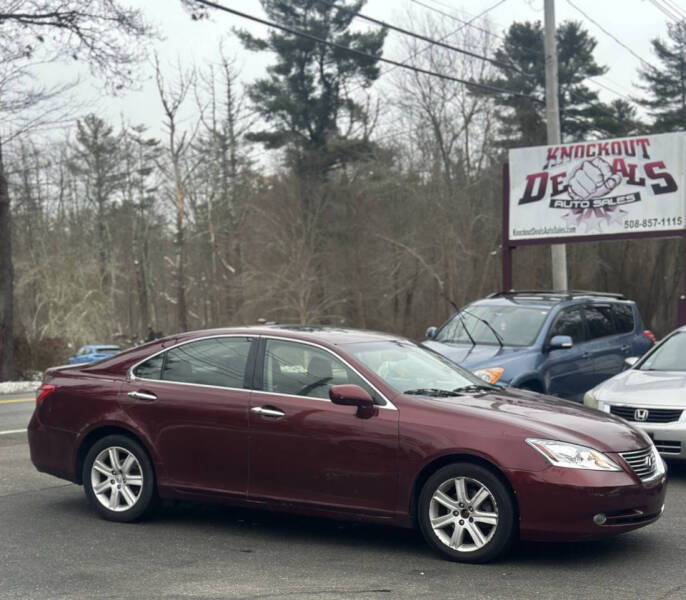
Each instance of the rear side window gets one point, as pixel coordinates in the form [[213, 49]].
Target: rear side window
[[571, 323], [600, 321], [218, 361], [624, 318]]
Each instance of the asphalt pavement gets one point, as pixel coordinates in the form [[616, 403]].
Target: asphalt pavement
[[52, 545]]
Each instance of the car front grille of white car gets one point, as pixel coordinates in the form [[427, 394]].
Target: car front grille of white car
[[647, 415]]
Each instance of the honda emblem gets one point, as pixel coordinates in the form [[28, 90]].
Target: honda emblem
[[641, 414]]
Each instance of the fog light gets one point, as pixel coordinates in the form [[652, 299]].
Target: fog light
[[600, 519]]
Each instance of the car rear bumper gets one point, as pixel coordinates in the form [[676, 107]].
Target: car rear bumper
[[560, 504], [51, 450]]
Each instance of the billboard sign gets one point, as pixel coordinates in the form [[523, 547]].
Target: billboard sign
[[608, 187]]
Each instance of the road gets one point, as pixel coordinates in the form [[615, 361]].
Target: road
[[53, 546]]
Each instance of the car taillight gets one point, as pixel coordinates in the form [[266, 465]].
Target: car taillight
[[649, 335], [43, 391]]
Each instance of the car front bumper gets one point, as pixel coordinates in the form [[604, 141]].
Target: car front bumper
[[561, 504]]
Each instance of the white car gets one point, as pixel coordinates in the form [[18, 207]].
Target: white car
[[651, 394]]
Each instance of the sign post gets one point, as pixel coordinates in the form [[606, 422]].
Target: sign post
[[623, 188]]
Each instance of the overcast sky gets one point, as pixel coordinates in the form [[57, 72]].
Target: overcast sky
[[633, 22]]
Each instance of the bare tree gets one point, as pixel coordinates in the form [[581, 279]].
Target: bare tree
[[99, 31], [178, 143]]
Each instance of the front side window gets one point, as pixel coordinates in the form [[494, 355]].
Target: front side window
[[571, 323], [668, 356], [599, 320], [304, 370], [218, 361], [515, 325]]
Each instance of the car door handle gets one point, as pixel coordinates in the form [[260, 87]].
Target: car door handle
[[586, 355], [147, 396], [267, 412], [626, 348]]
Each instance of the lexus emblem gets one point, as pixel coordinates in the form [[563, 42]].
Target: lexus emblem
[[648, 461], [641, 414]]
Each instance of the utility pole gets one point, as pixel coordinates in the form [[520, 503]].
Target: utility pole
[[552, 118]]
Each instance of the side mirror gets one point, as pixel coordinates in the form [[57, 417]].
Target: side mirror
[[431, 332], [353, 395], [560, 342], [630, 361]]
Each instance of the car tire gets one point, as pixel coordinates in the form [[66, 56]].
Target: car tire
[[119, 479], [466, 513]]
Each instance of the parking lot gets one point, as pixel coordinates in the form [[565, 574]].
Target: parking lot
[[54, 546]]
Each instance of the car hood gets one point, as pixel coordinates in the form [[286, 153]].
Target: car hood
[[545, 417], [646, 388], [479, 355]]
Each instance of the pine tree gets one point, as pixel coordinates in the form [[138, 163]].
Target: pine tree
[[308, 98], [665, 83], [522, 119]]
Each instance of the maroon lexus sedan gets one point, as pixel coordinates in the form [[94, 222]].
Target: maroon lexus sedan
[[342, 423]]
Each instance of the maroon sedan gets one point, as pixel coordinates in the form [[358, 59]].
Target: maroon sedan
[[342, 423]]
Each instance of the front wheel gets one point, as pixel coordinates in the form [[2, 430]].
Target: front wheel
[[466, 513], [118, 478]]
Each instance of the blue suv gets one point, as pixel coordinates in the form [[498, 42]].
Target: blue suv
[[559, 343]]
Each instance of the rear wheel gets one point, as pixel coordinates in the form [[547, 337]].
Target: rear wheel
[[118, 478], [466, 513]]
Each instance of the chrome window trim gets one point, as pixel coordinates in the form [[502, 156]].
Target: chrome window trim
[[388, 406], [131, 377]]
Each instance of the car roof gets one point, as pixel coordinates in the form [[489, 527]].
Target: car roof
[[548, 298], [333, 335]]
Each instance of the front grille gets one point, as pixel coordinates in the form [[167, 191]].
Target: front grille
[[642, 462], [668, 447], [652, 415]]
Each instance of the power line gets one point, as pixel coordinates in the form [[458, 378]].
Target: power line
[[665, 11], [319, 40], [418, 36], [445, 37], [606, 32], [595, 81], [454, 18], [675, 7]]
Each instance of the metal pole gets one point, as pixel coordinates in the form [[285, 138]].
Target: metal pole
[[552, 114], [506, 252]]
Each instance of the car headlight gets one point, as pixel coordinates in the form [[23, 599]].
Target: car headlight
[[491, 375], [572, 456]]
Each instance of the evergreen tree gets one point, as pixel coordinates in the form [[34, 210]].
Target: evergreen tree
[[522, 119], [665, 83], [308, 97], [620, 120]]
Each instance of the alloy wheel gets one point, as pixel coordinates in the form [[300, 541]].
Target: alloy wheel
[[463, 514], [117, 478]]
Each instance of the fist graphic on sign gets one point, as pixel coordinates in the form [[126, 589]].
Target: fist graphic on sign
[[592, 179]]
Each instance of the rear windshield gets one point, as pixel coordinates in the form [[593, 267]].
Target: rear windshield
[[515, 325]]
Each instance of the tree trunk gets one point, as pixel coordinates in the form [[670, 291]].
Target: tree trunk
[[7, 366]]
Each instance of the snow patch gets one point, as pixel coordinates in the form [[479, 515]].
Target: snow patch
[[18, 387]]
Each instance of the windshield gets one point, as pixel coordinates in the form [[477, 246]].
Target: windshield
[[408, 368], [515, 325], [668, 356]]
